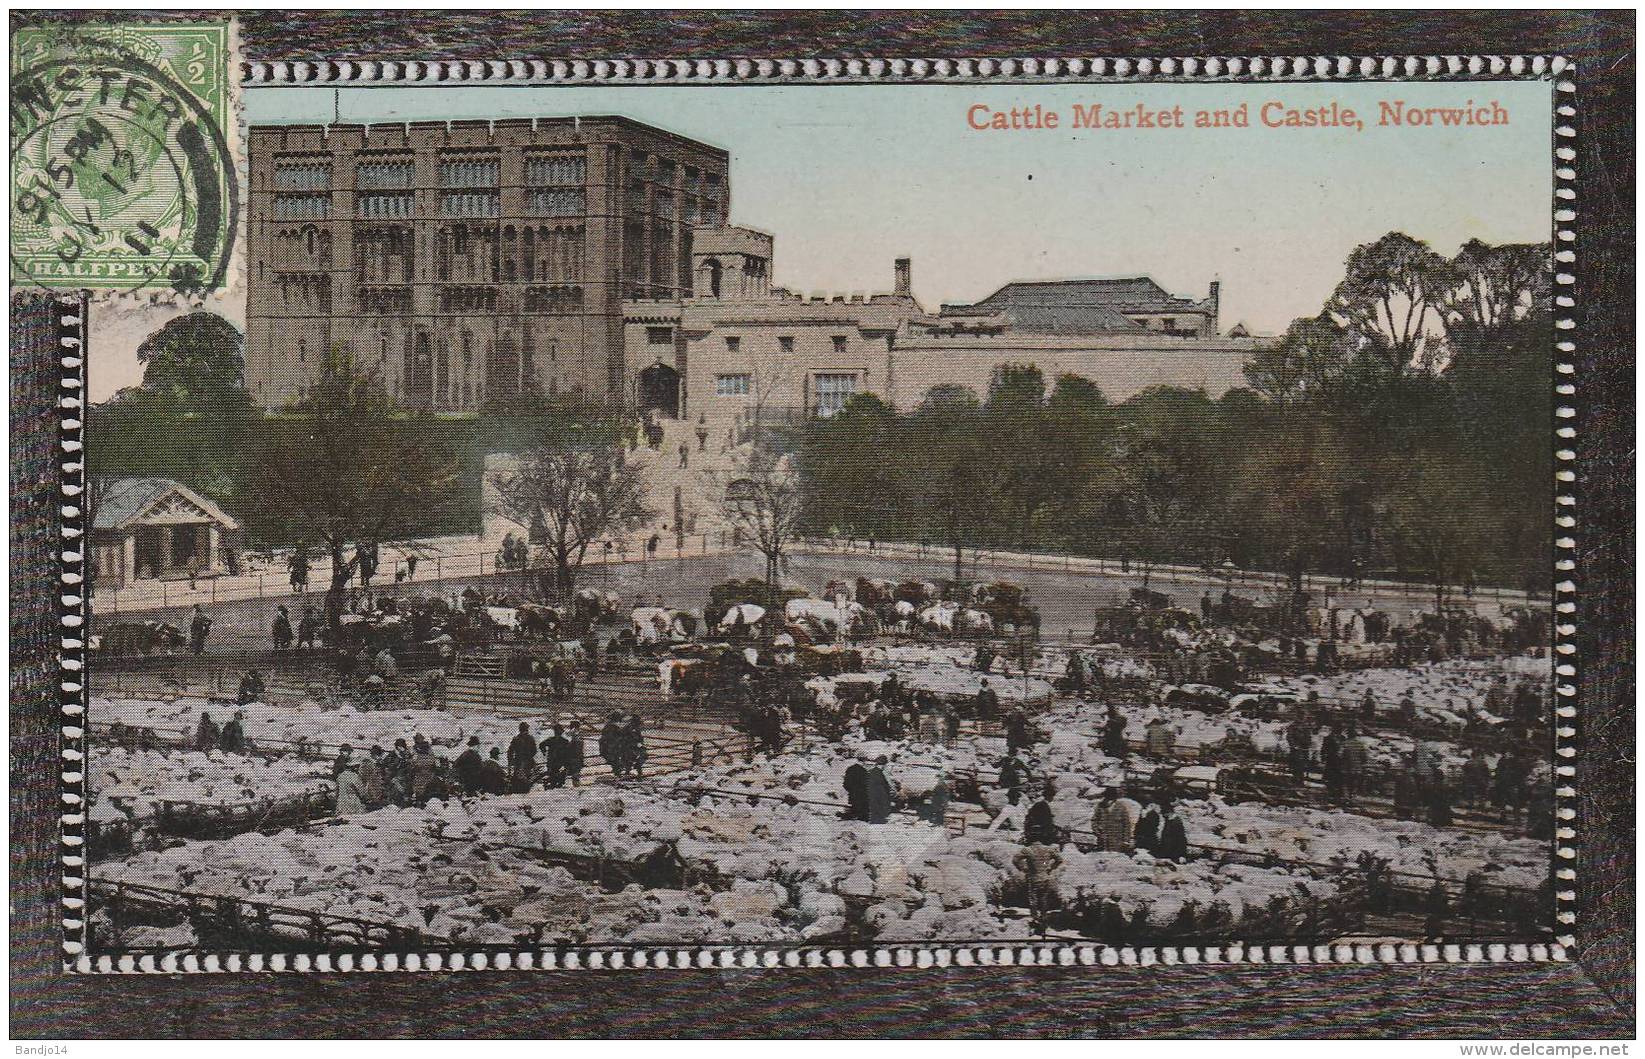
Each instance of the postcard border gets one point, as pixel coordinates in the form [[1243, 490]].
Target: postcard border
[[1557, 70]]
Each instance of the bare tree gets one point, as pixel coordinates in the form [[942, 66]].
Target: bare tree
[[578, 493], [764, 505]]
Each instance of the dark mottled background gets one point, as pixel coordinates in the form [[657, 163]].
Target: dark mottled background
[[1593, 997]]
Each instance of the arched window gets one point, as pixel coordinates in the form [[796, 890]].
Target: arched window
[[302, 351]]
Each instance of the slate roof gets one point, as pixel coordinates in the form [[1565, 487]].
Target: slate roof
[[1077, 306], [128, 498]]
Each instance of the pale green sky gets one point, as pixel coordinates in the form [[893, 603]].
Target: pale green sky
[[849, 177]]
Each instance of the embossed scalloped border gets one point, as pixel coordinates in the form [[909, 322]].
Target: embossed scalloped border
[[72, 340]]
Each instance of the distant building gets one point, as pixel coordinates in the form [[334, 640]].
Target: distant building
[[466, 260], [1134, 305], [154, 528], [737, 344]]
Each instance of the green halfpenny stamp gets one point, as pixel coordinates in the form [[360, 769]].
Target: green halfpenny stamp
[[121, 175]]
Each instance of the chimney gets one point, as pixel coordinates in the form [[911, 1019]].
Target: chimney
[[905, 279], [1216, 306]]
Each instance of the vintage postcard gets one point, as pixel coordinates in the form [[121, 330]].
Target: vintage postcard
[[566, 513]]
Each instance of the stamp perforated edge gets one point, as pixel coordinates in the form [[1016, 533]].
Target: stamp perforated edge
[[1559, 70]]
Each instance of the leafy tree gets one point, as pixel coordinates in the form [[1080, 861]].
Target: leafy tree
[[1434, 515], [576, 484], [195, 358], [1496, 286], [1308, 363], [1015, 424], [1391, 290], [352, 472], [957, 491]]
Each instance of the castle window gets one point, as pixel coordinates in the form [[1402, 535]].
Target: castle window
[[659, 336], [733, 344], [731, 385], [833, 391], [785, 343], [839, 343]]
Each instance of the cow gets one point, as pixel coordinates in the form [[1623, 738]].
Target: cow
[[596, 606], [538, 621]]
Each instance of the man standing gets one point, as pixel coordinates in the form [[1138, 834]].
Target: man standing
[[1161, 740], [468, 766], [199, 628], [879, 792], [282, 628], [234, 734], [574, 753], [206, 736], [555, 751], [350, 792], [522, 759], [1040, 826], [423, 771], [307, 626], [374, 779], [344, 758], [856, 792], [1114, 742]]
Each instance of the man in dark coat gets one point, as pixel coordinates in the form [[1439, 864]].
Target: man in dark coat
[[1113, 735], [556, 749], [522, 759], [282, 628], [1039, 827], [1075, 673], [1332, 767], [1173, 836], [879, 793], [199, 628], [856, 792], [1016, 732], [207, 735], [251, 688], [493, 777], [1013, 776], [343, 760], [234, 735], [611, 745], [468, 766], [987, 702], [308, 626]]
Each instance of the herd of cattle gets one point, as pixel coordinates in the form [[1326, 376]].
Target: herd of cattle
[[412, 624]]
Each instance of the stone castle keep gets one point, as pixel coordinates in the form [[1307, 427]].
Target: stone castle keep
[[470, 261]]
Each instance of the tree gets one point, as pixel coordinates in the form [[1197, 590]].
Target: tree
[[1391, 289], [1436, 510], [1306, 364], [1497, 285], [1015, 425], [196, 358], [764, 504], [350, 473], [956, 491], [578, 487]]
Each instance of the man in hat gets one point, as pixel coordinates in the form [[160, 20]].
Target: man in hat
[[468, 766]]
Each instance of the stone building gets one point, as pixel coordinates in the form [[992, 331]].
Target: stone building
[[738, 344], [143, 528], [467, 260]]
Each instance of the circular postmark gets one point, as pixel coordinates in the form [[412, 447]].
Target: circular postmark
[[121, 176]]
